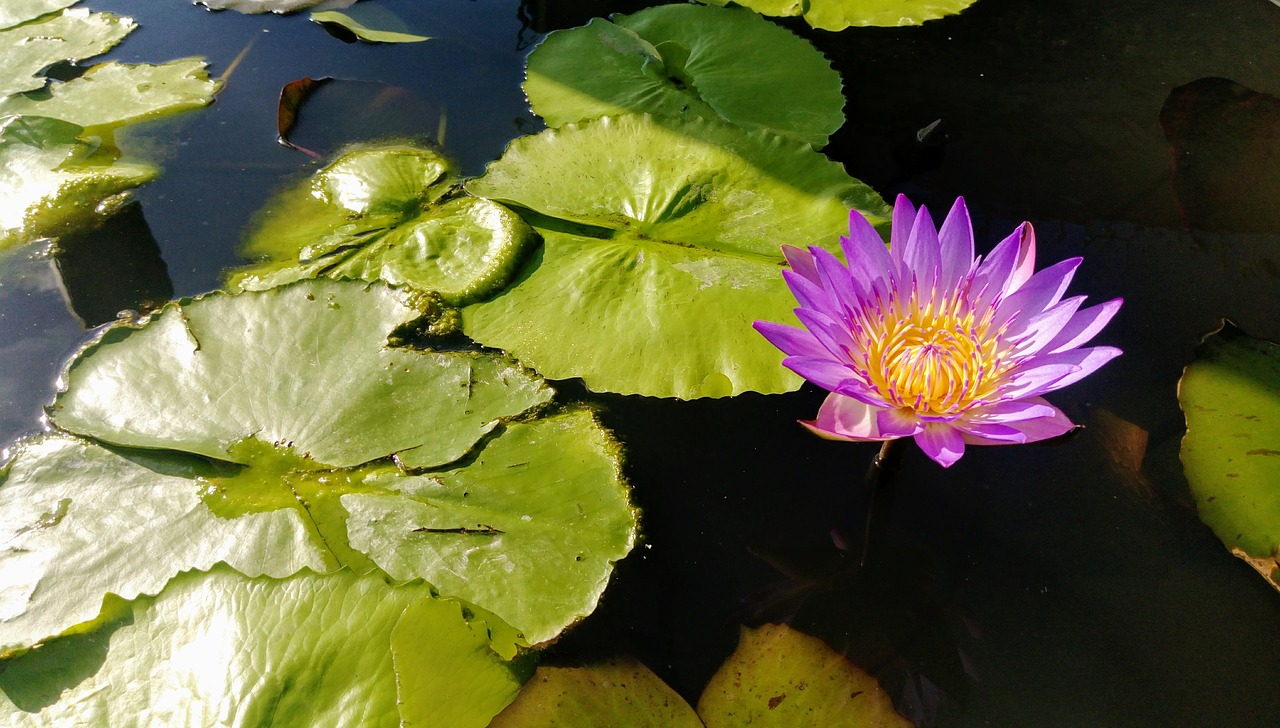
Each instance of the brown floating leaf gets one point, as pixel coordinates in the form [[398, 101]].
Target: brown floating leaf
[[292, 96]]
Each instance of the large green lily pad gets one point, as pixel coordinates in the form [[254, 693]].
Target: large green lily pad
[[688, 60], [50, 179], [305, 366], [661, 247], [113, 94], [1230, 396], [219, 648], [378, 214], [26, 50], [271, 420], [841, 14]]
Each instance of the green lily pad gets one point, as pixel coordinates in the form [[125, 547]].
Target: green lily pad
[[26, 50], [279, 472], [378, 214], [688, 60], [304, 366], [113, 94], [1230, 396], [219, 648], [369, 35], [619, 694], [21, 11], [781, 677], [479, 533], [841, 14], [50, 180], [661, 247]]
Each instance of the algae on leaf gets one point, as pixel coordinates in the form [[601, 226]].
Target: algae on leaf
[[219, 648], [662, 245], [1230, 396], [683, 61], [50, 179]]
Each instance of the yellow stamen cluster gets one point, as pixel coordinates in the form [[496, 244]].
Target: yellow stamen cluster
[[935, 357]]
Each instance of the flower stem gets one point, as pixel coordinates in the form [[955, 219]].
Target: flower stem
[[880, 492]]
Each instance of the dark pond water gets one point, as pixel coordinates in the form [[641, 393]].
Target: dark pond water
[[1067, 584]]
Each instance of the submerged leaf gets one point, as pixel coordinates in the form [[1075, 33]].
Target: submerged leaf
[[376, 214], [369, 35], [782, 677], [687, 60], [112, 94], [219, 648], [26, 50], [50, 180], [275, 6], [662, 245], [1230, 396], [619, 694], [841, 14]]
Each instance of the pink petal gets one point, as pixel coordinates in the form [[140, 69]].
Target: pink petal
[[809, 294], [1032, 333], [955, 245], [1055, 371], [992, 280], [837, 281], [942, 443], [833, 335], [904, 219], [801, 261], [920, 256], [1038, 294], [821, 370], [1083, 326], [792, 341], [865, 252], [842, 418], [897, 422]]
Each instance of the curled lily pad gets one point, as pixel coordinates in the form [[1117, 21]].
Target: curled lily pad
[[687, 60], [662, 245], [219, 648], [378, 214], [112, 94], [841, 14], [26, 50], [50, 179], [360, 31], [1230, 396]]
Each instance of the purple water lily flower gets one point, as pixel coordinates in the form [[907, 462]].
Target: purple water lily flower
[[924, 340]]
